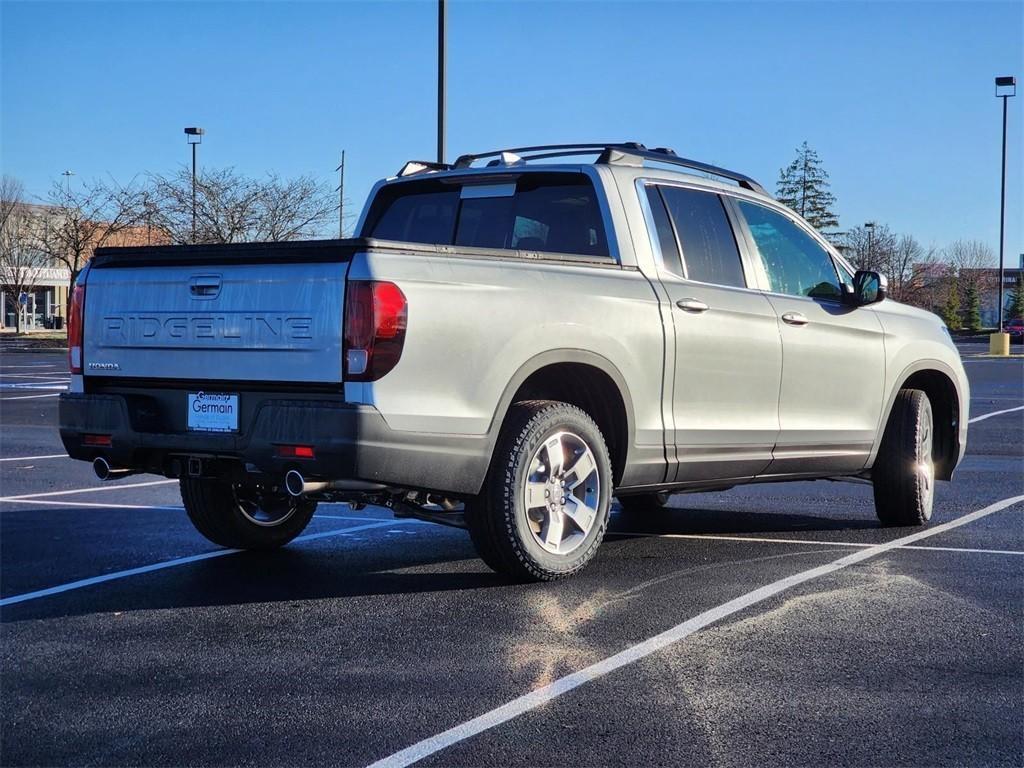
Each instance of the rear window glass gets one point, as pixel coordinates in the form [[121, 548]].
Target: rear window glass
[[419, 216], [554, 212]]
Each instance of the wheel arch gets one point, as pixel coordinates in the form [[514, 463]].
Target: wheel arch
[[937, 381], [583, 378]]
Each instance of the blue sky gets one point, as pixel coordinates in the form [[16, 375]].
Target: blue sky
[[896, 97]]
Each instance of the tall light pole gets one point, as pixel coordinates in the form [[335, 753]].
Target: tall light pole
[[870, 227], [441, 24], [67, 176], [1006, 87], [341, 196], [194, 136]]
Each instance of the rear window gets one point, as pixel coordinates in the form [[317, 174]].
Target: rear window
[[553, 212], [420, 216]]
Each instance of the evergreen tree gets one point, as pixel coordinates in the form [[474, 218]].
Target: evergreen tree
[[803, 186], [972, 312], [1017, 299], [951, 308]]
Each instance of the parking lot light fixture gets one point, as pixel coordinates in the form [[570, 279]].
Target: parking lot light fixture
[[194, 136], [870, 227], [999, 342]]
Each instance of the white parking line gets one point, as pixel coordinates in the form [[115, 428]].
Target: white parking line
[[51, 375], [82, 583], [28, 397], [807, 542], [86, 504], [995, 413], [167, 508], [36, 458], [543, 695], [19, 497]]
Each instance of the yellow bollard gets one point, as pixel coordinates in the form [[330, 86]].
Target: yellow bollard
[[999, 344]]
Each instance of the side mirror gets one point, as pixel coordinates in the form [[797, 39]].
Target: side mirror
[[869, 287]]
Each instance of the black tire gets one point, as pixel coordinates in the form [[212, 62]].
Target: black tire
[[228, 516], [644, 503], [904, 474], [499, 524]]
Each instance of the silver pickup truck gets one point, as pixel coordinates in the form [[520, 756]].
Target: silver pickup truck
[[511, 341]]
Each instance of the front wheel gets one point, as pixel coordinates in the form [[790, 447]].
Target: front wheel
[[904, 471], [242, 518], [544, 509]]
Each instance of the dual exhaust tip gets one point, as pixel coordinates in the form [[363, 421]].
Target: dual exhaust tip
[[294, 482]]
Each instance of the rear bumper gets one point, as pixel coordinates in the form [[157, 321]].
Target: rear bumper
[[350, 442]]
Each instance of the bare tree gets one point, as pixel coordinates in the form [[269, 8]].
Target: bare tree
[[870, 247], [969, 254], [972, 261], [233, 208], [20, 261], [909, 266], [77, 221], [907, 262]]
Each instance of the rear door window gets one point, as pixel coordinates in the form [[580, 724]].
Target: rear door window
[[666, 235], [705, 236], [548, 212]]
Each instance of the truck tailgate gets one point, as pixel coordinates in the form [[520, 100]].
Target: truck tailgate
[[229, 321]]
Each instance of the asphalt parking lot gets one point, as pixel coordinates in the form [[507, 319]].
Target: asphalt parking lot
[[766, 625]]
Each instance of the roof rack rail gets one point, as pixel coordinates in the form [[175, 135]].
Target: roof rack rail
[[609, 153], [626, 156], [549, 150]]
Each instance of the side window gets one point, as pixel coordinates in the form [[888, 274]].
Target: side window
[[795, 263], [705, 236], [666, 237]]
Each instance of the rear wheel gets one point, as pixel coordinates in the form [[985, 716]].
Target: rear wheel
[[904, 473], [544, 509], [242, 518]]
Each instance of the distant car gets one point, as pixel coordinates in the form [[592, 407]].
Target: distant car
[[1015, 328]]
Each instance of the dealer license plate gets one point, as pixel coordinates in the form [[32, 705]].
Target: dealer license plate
[[212, 412]]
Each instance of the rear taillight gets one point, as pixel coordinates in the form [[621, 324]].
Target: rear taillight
[[76, 322], [295, 452], [375, 318]]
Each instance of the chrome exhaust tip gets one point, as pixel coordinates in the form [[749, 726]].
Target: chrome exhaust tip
[[297, 485], [101, 467], [105, 472], [294, 482]]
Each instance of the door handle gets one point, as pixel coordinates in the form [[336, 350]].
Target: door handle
[[204, 286], [794, 318], [692, 305]]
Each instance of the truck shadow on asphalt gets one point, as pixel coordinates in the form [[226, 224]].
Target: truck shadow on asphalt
[[678, 520], [438, 560]]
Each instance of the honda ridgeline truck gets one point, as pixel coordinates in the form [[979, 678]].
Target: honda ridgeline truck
[[509, 342]]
